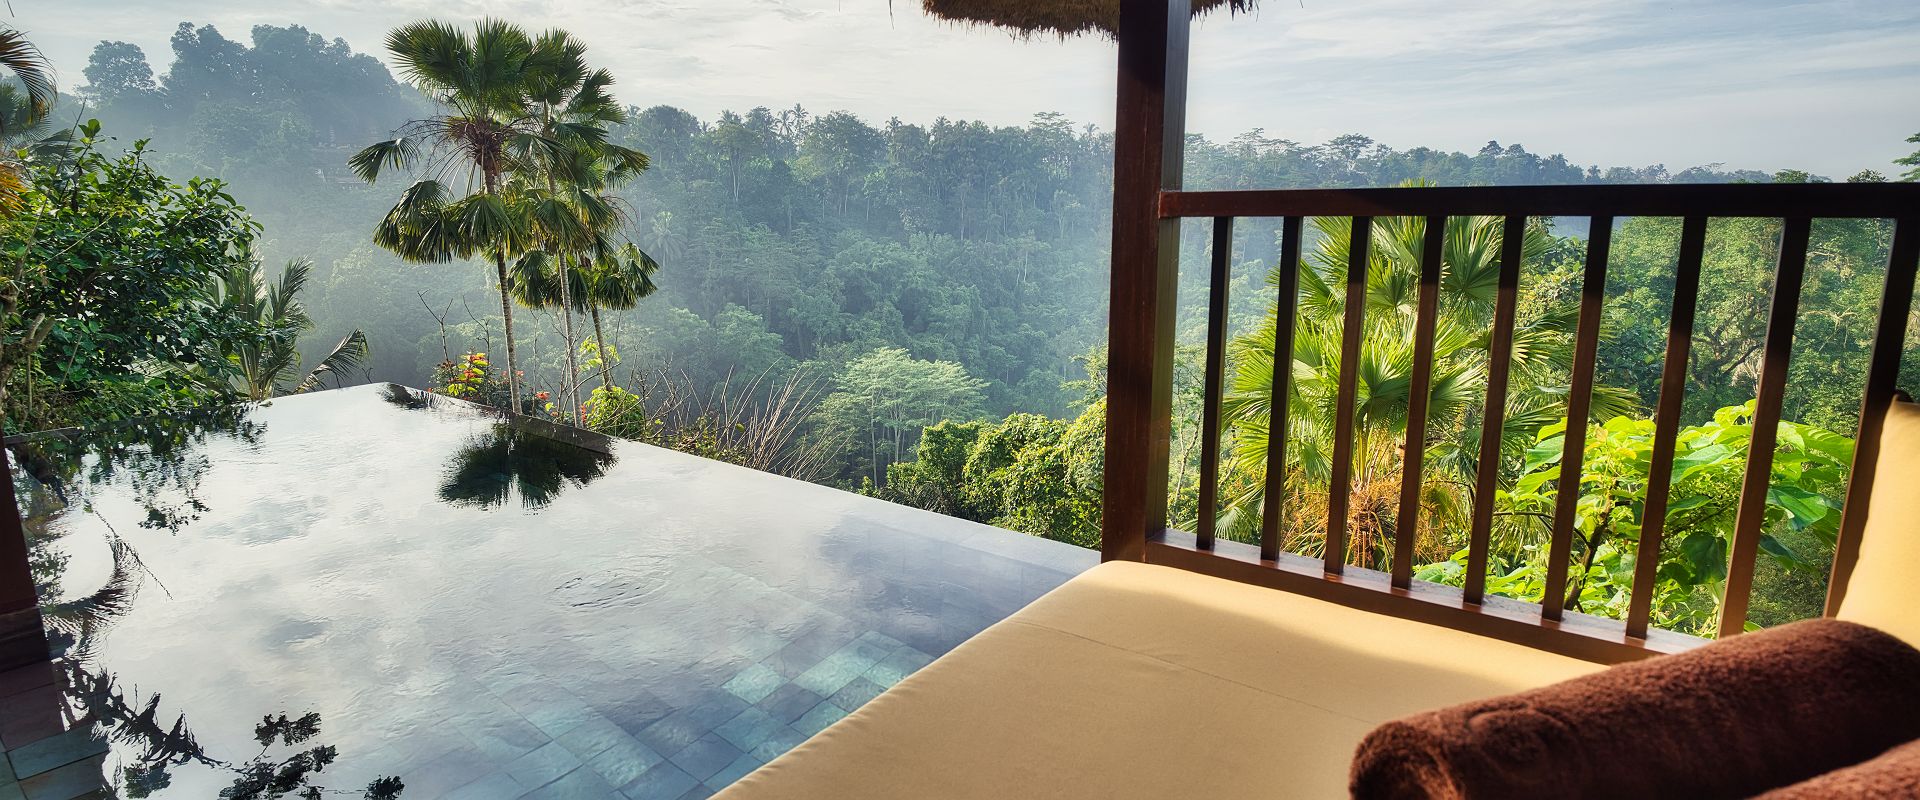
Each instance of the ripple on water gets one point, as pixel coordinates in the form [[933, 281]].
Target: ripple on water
[[631, 583]]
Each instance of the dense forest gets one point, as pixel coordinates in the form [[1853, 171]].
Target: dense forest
[[915, 310]]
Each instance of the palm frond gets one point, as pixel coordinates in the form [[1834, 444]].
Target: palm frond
[[351, 352]]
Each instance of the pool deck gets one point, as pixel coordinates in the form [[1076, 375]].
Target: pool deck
[[651, 625]]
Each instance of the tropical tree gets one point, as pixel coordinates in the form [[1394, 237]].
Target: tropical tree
[[267, 363], [887, 396], [1804, 494], [575, 165], [1470, 265], [617, 281], [34, 77], [1911, 162], [458, 207], [107, 266]]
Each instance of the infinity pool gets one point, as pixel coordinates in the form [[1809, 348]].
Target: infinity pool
[[481, 608]]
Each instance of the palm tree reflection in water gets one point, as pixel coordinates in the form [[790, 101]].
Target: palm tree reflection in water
[[161, 461], [527, 457]]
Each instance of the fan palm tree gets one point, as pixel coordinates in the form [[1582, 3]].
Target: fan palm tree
[[610, 276], [1469, 280], [575, 164], [261, 366], [483, 81]]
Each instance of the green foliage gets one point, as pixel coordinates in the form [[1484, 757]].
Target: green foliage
[[886, 397], [1026, 473], [617, 412], [1803, 512], [472, 377], [109, 267], [1911, 162], [267, 361]]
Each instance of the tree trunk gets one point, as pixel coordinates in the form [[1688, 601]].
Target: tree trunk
[[506, 315], [600, 341], [566, 332]]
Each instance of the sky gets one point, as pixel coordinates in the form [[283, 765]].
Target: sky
[[1830, 86]]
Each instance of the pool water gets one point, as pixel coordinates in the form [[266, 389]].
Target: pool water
[[482, 608]]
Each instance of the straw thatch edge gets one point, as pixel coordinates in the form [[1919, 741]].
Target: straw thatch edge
[[1061, 17]]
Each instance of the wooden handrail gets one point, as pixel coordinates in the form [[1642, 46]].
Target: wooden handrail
[[1777, 201], [1149, 205]]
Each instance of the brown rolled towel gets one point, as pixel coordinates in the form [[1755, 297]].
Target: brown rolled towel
[[1731, 719], [1895, 775]]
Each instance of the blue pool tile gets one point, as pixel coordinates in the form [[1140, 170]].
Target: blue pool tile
[[503, 734], [856, 693], [665, 782], [788, 702], [11, 791], [749, 729], [715, 708], [817, 719], [492, 786], [625, 761], [807, 650], [635, 711], [539, 767], [580, 784], [78, 779], [903, 661], [732, 772], [551, 709], [597, 733], [442, 772], [837, 670], [696, 793], [881, 640], [706, 756], [58, 750], [754, 683], [687, 725], [756, 645], [780, 742]]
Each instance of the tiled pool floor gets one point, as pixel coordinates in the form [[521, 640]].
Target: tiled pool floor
[[473, 607]]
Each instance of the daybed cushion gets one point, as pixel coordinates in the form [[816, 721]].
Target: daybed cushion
[[1140, 681], [1883, 591]]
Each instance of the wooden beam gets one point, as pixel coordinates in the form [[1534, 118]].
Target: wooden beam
[[1149, 144], [1819, 200]]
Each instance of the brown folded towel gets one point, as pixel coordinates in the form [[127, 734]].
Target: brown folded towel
[[1895, 775], [1731, 719]]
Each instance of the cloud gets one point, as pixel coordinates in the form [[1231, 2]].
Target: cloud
[[1825, 85]]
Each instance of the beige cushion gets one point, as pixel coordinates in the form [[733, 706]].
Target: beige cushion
[[1139, 681], [1884, 590]]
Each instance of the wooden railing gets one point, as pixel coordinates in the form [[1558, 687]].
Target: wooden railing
[[1148, 207]]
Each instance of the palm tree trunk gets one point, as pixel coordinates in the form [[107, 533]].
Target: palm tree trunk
[[506, 315], [600, 342], [573, 367]]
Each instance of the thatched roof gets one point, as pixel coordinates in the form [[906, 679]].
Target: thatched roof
[[1064, 17]]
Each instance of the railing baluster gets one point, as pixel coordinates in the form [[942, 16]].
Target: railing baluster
[[1406, 525], [1752, 515], [1513, 238], [1883, 372], [1286, 309], [1593, 295], [1666, 427], [1215, 375], [1341, 483]]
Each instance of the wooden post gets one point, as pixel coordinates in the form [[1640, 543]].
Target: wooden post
[[1149, 143]]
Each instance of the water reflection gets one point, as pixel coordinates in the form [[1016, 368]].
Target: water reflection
[[160, 463], [535, 459]]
